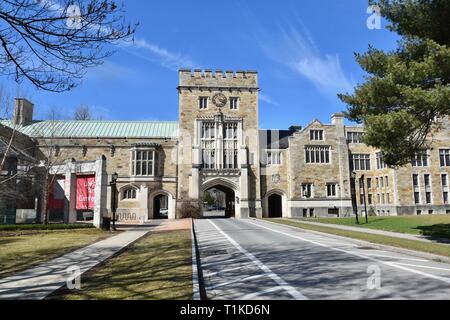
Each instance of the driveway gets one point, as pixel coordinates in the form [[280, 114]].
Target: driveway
[[253, 259]]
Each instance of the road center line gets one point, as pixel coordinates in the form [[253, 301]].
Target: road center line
[[281, 283], [390, 264]]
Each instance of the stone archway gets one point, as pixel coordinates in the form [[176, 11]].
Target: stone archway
[[162, 205], [275, 204], [224, 196]]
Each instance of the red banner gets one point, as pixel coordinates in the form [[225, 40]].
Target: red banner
[[56, 194], [85, 192]]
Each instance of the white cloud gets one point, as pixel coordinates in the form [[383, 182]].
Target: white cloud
[[164, 57], [267, 100], [295, 48]]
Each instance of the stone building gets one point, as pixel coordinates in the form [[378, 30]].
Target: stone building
[[217, 145]]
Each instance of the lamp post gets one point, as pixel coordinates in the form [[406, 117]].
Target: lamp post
[[113, 185], [363, 186], [353, 195]]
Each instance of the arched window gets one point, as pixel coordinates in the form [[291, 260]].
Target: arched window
[[129, 194]]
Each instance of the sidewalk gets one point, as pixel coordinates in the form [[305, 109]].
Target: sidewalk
[[377, 232], [39, 282]]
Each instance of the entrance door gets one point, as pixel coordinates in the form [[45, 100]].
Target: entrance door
[[275, 206]]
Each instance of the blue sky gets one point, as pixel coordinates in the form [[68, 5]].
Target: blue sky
[[303, 51]]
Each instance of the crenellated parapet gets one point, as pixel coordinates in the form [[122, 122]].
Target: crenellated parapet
[[217, 79]]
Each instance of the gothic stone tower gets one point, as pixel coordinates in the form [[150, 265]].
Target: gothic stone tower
[[218, 139]]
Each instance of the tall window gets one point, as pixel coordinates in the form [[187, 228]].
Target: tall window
[[317, 154], [316, 135], [203, 102], [415, 180], [444, 179], [380, 163], [355, 137], [444, 155], [234, 103], [369, 183], [208, 141], [332, 190], [427, 180], [361, 162], [230, 152], [420, 160], [143, 162]]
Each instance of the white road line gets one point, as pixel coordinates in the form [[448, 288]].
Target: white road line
[[393, 257], [255, 295], [281, 283], [390, 264], [420, 266], [234, 281]]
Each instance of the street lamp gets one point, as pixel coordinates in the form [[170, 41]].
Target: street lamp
[[363, 186], [353, 195], [113, 185]]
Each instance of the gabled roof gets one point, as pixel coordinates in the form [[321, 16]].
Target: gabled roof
[[99, 129], [13, 151]]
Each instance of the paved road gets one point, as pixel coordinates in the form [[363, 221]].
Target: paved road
[[250, 259]]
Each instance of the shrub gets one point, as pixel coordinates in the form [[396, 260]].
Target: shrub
[[190, 209], [24, 227]]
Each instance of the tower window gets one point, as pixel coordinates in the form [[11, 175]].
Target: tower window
[[203, 103], [234, 103]]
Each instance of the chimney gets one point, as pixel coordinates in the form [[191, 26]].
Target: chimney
[[295, 128], [337, 119], [23, 112]]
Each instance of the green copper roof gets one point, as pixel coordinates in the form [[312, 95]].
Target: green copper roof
[[100, 129]]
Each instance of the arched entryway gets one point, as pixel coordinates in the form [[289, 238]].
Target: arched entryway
[[275, 206], [219, 199], [161, 207]]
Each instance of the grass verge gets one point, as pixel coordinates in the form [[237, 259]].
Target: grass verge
[[157, 267], [437, 226], [434, 248], [23, 250]]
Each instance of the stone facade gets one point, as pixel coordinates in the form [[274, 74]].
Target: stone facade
[[218, 144]]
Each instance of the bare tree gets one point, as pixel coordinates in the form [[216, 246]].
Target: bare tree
[[52, 43], [82, 113]]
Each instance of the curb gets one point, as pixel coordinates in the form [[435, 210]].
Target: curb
[[199, 292], [419, 254]]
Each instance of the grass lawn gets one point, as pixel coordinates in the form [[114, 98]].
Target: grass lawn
[[434, 248], [157, 267], [429, 225], [20, 250]]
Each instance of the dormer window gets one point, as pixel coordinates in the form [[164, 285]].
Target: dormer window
[[316, 135]]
